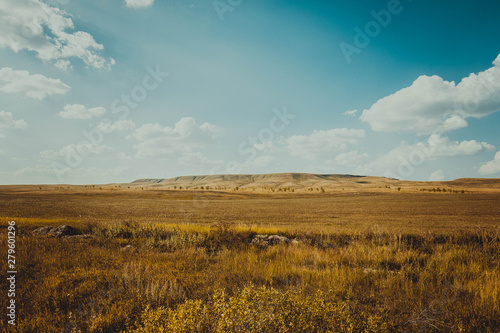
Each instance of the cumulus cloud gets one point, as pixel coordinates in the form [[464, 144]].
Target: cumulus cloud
[[82, 149], [119, 125], [491, 167], [197, 159], [34, 86], [401, 161], [36, 26], [78, 111], [267, 146], [433, 105], [63, 65], [437, 176], [156, 140], [350, 113], [7, 122], [139, 3], [350, 158], [322, 142]]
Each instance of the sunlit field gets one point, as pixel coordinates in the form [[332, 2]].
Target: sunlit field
[[184, 261]]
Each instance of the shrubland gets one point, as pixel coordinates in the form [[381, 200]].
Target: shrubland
[[144, 277]]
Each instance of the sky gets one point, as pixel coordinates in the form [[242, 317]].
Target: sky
[[102, 91]]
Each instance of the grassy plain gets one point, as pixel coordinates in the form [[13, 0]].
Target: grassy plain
[[367, 260]]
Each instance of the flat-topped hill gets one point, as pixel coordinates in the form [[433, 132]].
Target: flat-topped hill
[[304, 181]]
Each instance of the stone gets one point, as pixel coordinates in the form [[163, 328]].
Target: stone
[[269, 240], [60, 231]]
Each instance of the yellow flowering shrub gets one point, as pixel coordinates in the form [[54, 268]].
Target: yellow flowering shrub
[[259, 309]]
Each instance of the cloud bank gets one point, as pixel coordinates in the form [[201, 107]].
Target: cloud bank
[[35, 86], [38, 27], [433, 105]]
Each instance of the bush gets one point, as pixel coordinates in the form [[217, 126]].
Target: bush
[[259, 309]]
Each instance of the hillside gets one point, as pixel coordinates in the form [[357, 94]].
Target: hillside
[[299, 181]]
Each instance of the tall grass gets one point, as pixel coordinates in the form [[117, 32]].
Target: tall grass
[[189, 278]]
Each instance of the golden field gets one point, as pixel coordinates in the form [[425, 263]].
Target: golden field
[[398, 257]]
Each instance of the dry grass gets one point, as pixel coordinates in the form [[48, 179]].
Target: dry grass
[[414, 212], [426, 263]]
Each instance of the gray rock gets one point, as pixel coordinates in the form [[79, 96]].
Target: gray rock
[[128, 248], [269, 240], [42, 231], [60, 231], [275, 239]]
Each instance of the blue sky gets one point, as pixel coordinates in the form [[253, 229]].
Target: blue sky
[[111, 91]]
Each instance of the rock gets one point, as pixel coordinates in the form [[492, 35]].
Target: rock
[[127, 248], [260, 240], [267, 240], [42, 231], [275, 239], [60, 231], [64, 230]]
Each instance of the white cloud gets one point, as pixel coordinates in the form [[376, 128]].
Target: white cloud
[[82, 150], [439, 146], [350, 113], [34, 86], [267, 146], [350, 158], [491, 167], [437, 176], [63, 65], [7, 122], [322, 142], [400, 161], [36, 26], [197, 159], [251, 166], [433, 105], [155, 140], [258, 163], [119, 125], [139, 3], [78, 111]]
